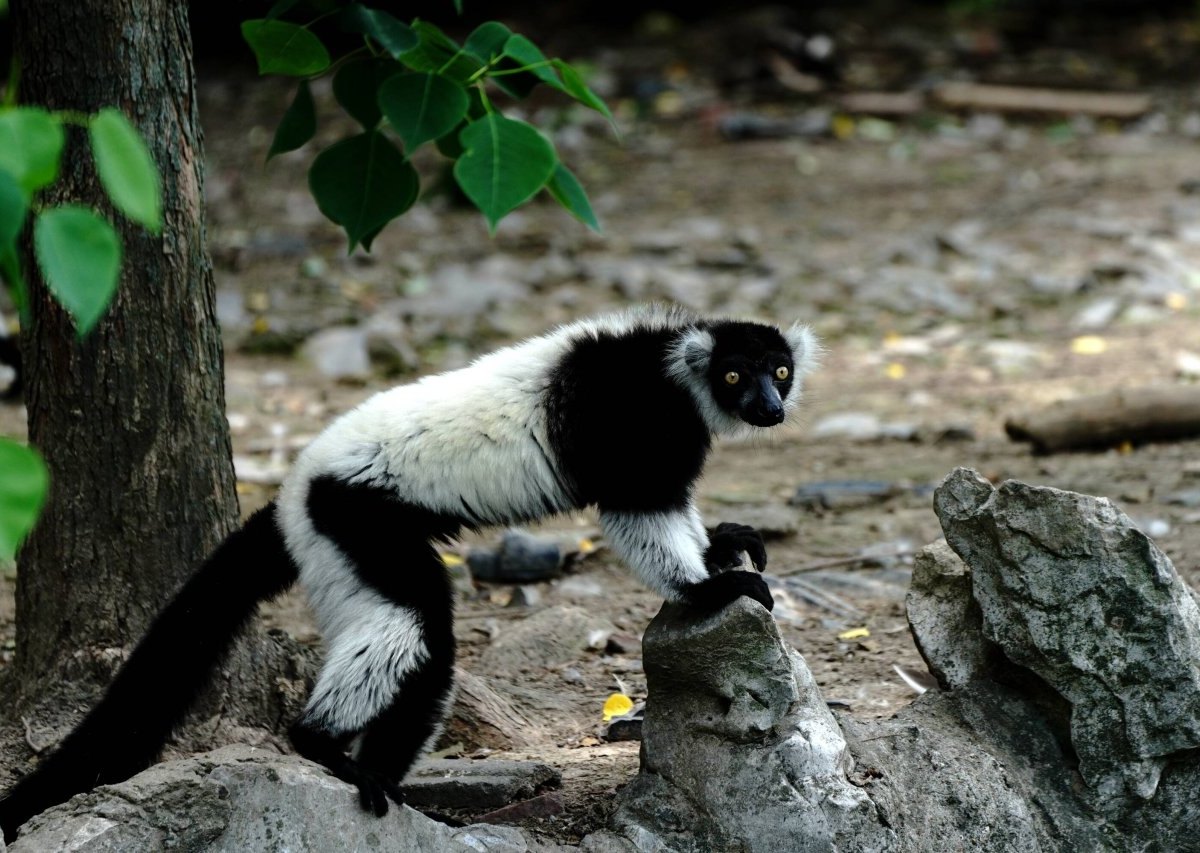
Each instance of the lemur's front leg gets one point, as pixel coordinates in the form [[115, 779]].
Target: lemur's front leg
[[667, 551]]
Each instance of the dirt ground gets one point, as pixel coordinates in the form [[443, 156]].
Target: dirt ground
[[949, 275]]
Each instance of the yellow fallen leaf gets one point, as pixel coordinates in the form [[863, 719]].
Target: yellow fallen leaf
[[895, 370], [1125, 447], [586, 546], [616, 705], [842, 126], [855, 634], [1089, 345], [1176, 301], [261, 326], [452, 561]]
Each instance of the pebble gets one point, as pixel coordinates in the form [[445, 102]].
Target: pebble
[[339, 353]]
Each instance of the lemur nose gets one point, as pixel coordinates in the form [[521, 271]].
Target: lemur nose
[[771, 410]]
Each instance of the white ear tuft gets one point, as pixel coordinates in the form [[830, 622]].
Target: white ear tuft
[[695, 350], [806, 349]]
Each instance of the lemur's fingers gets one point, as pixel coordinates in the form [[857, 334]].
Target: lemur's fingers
[[727, 543], [711, 595], [753, 545], [372, 797]]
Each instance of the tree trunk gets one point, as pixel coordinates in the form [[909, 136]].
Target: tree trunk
[[131, 419]]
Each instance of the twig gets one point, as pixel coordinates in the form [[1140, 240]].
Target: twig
[[839, 562]]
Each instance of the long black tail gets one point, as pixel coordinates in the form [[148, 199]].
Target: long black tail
[[164, 676]]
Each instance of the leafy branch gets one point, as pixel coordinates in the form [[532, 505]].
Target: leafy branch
[[419, 86]]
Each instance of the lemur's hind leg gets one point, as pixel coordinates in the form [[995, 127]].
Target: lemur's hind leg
[[378, 701], [387, 680]]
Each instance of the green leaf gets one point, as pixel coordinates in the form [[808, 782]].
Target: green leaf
[[80, 256], [362, 183], [126, 168], [421, 107], [487, 41], [526, 53], [283, 48], [31, 141], [439, 53], [393, 35], [298, 125], [574, 86], [505, 163], [24, 482], [12, 210], [458, 6], [356, 87], [568, 192]]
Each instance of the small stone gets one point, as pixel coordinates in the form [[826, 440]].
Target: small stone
[[1189, 498], [620, 643], [525, 596], [580, 587], [843, 494], [1098, 314], [314, 266], [1187, 364], [857, 426], [340, 353], [521, 558]]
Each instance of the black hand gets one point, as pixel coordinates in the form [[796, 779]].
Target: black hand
[[374, 790], [727, 543], [711, 595]]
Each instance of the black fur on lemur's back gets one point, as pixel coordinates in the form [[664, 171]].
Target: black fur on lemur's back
[[616, 413]]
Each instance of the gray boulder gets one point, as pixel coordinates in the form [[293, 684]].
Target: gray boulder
[[739, 751], [1072, 591]]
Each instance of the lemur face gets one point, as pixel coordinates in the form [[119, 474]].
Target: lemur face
[[750, 372]]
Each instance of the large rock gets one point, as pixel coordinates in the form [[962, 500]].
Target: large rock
[[1071, 590], [240, 799], [739, 751]]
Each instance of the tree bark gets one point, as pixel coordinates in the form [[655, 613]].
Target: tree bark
[[130, 419]]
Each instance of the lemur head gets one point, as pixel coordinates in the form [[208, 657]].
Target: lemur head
[[740, 372]]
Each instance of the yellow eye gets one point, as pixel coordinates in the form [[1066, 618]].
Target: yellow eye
[[781, 373], [732, 377]]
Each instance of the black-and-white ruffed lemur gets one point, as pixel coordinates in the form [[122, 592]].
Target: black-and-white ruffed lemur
[[617, 413]]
